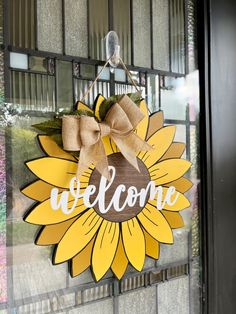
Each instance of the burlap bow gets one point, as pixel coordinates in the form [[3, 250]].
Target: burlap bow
[[84, 133]]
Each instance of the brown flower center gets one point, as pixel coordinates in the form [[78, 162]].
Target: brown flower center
[[126, 175]]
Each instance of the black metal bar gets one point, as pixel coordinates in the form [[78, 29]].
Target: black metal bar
[[88, 29], [132, 32], [110, 15], [151, 33], [186, 70], [63, 28], [169, 36], [159, 91], [45, 54], [6, 40], [35, 25]]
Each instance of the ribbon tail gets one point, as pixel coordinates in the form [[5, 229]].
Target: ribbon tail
[[129, 146], [93, 154], [101, 161], [86, 158]]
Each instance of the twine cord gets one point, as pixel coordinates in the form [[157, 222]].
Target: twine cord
[[100, 72]]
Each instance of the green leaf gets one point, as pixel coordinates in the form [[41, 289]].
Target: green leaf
[[136, 97], [58, 139], [49, 127], [77, 113], [107, 103]]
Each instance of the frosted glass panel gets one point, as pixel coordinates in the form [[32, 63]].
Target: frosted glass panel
[[101, 307], [173, 297], [141, 33], [161, 35], [177, 251], [76, 35], [18, 61], [49, 16], [138, 302]]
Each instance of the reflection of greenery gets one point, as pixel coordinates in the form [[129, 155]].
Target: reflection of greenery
[[23, 147], [20, 233]]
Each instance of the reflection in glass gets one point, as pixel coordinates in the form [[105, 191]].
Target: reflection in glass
[[141, 33], [64, 85], [98, 27], [121, 22], [173, 100], [32, 91], [161, 52], [76, 32], [49, 18]]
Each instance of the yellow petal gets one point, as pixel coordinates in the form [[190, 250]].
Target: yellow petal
[[43, 214], [105, 248], [82, 260], [156, 121], [182, 184], [143, 125], [77, 236], [160, 142], [108, 145], [134, 243], [53, 234], [174, 219], [181, 201], [120, 262], [82, 106], [55, 171], [169, 170], [152, 246], [155, 224], [175, 150], [51, 148], [98, 101], [38, 190]]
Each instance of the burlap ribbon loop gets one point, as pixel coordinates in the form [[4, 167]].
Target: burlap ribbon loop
[[84, 133]]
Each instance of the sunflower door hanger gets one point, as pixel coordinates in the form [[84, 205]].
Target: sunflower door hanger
[[110, 186]]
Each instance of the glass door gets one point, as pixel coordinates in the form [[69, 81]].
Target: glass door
[[53, 50]]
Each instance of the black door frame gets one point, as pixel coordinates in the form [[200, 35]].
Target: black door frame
[[217, 47]]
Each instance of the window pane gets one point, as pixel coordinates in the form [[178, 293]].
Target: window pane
[[177, 36], [153, 92], [49, 16], [64, 85], [81, 86], [161, 55], [141, 33], [76, 32], [98, 27], [178, 289], [22, 23], [31, 91], [121, 12]]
